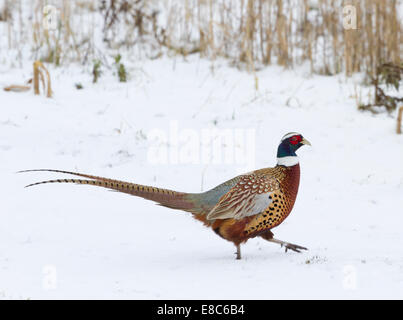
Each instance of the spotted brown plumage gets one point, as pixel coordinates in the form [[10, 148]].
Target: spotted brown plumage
[[241, 208], [283, 200]]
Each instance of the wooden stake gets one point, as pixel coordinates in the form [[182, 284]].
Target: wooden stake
[[399, 120]]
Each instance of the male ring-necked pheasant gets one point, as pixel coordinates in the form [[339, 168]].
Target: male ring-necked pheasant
[[244, 207]]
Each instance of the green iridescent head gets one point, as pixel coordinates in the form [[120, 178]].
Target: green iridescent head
[[290, 143]]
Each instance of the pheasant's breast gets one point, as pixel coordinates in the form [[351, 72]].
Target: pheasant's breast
[[281, 205]]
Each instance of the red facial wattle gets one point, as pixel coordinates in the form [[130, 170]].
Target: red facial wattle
[[295, 140]]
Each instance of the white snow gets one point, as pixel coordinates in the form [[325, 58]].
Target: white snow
[[67, 241]]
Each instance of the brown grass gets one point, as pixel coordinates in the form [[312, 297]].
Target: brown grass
[[250, 33], [288, 32]]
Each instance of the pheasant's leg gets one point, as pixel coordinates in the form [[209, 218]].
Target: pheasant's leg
[[238, 251], [268, 235], [288, 245]]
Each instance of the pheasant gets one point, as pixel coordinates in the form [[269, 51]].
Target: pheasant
[[244, 207]]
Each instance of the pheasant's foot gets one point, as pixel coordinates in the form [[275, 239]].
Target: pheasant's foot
[[288, 246], [294, 247]]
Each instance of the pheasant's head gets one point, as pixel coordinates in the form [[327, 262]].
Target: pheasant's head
[[289, 144]]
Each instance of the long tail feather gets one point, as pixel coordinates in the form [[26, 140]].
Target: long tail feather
[[165, 197], [68, 172]]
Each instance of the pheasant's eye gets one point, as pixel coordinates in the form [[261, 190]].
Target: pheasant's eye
[[295, 139]]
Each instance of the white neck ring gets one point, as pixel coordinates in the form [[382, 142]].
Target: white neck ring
[[287, 161]]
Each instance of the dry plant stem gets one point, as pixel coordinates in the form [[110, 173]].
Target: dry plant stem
[[39, 68], [399, 120], [36, 77], [251, 33], [17, 88]]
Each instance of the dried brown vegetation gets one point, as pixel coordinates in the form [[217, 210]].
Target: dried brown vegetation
[[250, 33], [387, 75], [399, 120], [40, 72], [261, 32]]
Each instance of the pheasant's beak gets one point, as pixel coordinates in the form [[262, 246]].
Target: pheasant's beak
[[306, 142]]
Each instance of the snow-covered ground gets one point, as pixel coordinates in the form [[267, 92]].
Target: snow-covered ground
[[66, 241]]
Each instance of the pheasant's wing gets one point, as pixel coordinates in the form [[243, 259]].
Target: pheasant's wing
[[250, 196]]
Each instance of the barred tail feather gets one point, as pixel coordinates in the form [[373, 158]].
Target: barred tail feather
[[165, 197]]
